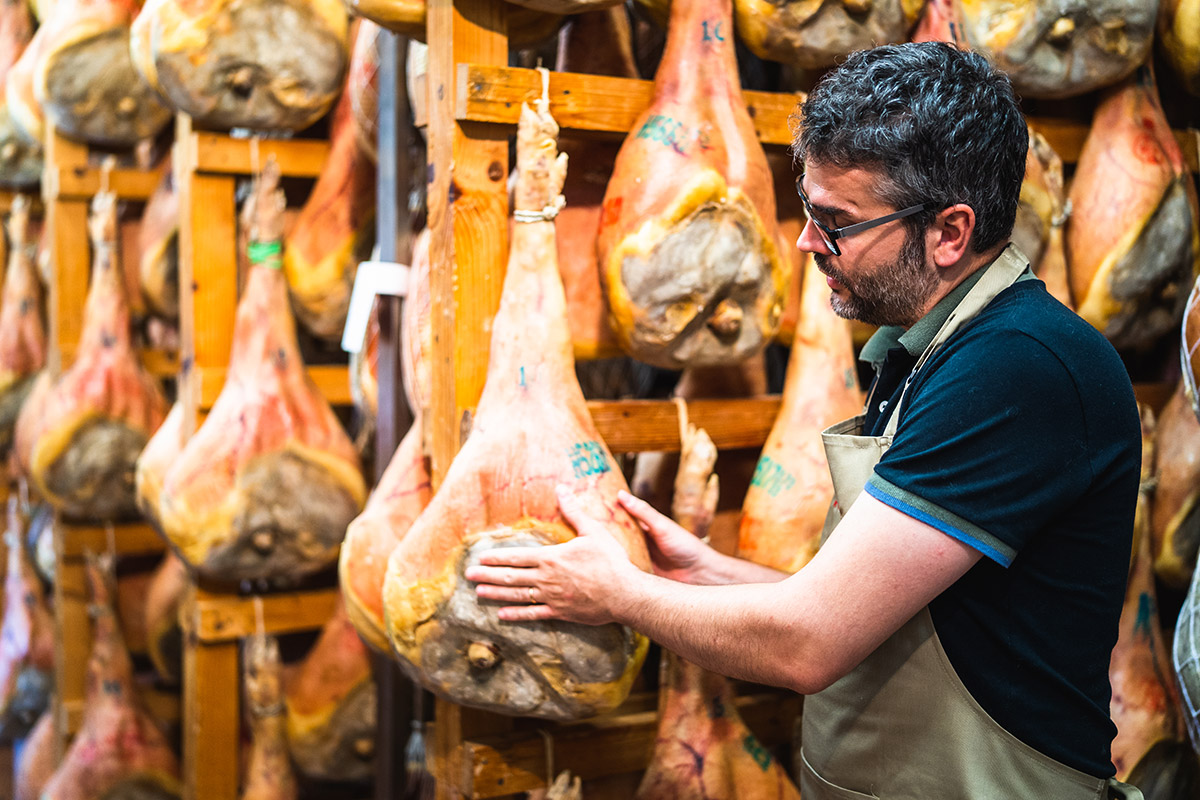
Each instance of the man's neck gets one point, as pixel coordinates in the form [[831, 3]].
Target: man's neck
[[950, 277]]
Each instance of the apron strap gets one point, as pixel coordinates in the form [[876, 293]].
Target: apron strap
[[998, 276], [1123, 791]]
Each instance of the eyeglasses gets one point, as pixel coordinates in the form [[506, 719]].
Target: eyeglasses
[[831, 235]]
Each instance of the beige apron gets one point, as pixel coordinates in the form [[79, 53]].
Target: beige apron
[[901, 724]]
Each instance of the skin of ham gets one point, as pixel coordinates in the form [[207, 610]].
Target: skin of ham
[[164, 637], [1133, 239], [532, 432], [1180, 38], [689, 251], [269, 774], [938, 23], [785, 506], [117, 743], [37, 761], [26, 638], [813, 34], [267, 485], [362, 84], [1052, 49], [22, 330], [21, 161], [324, 246], [264, 65], [1041, 217], [1174, 523], [88, 431], [407, 17], [85, 79], [158, 248], [331, 706], [1145, 701]]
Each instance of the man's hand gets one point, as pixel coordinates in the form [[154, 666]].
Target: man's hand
[[579, 581], [675, 552]]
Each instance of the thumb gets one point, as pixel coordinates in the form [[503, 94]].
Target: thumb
[[572, 509]]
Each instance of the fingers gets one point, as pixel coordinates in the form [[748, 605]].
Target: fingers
[[575, 514], [527, 595], [500, 576], [525, 613], [645, 514], [511, 557]]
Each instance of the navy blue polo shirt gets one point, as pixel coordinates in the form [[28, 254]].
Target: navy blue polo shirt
[[1021, 438]]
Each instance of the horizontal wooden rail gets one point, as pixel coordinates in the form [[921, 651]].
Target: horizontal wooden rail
[[632, 426], [221, 154], [83, 183], [333, 381], [129, 539], [623, 742], [592, 102], [228, 617]]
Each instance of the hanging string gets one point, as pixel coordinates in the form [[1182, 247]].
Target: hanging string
[[255, 168], [549, 741], [106, 168], [110, 534], [260, 625]]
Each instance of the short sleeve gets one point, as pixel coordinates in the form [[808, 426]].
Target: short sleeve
[[990, 445]]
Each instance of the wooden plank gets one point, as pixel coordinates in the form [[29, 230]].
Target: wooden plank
[[70, 255], [225, 618], [211, 713], [583, 102], [83, 183], [134, 538], [72, 637], [332, 380], [221, 154], [517, 762], [208, 266], [629, 426]]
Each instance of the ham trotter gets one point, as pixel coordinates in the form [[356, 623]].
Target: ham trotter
[[86, 433], [532, 432], [267, 485], [814, 34], [1133, 241], [263, 65], [84, 76], [26, 638], [1179, 35], [22, 330], [785, 506], [689, 251], [269, 774], [158, 246], [1057, 48], [118, 750]]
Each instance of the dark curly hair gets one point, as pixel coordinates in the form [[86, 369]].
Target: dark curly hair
[[939, 123]]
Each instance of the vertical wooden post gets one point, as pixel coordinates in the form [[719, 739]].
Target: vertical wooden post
[[70, 253], [211, 741], [72, 633]]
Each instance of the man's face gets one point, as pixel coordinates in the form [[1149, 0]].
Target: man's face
[[882, 276]]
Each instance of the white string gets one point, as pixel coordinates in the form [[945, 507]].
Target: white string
[[545, 214], [110, 533], [254, 166], [260, 625], [106, 168]]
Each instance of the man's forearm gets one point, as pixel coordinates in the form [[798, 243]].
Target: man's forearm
[[718, 569]]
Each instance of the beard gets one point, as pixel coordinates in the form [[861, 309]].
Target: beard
[[891, 295]]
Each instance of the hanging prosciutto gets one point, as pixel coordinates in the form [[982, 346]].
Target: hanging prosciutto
[[26, 637], [1133, 239], [158, 247], [532, 431], [36, 762], [689, 250], [269, 774], [1041, 216], [265, 488], [785, 507], [1174, 521], [814, 35], [263, 65], [85, 435], [22, 329], [1052, 48], [1180, 37]]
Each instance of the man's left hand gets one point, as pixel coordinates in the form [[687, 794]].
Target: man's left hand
[[577, 581]]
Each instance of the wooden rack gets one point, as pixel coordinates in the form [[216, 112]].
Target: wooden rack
[[208, 166], [69, 182]]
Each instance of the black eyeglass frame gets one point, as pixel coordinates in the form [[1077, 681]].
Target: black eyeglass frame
[[831, 235]]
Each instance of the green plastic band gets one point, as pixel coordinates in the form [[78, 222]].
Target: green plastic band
[[265, 254]]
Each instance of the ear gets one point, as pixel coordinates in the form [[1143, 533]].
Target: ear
[[950, 235]]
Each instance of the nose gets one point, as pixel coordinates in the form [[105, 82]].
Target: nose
[[811, 241]]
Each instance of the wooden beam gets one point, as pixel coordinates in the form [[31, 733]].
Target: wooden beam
[[332, 380], [516, 762], [631, 426], [227, 618], [136, 538], [221, 154], [212, 712], [592, 102], [83, 183]]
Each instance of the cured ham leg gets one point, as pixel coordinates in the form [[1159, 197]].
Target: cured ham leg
[[85, 79], [703, 749], [407, 17], [939, 23], [334, 230], [1180, 38], [1059, 49], [263, 64], [784, 509], [689, 252], [118, 747], [158, 244], [1174, 521], [267, 485], [164, 637], [26, 638], [532, 432], [23, 108], [22, 330], [269, 774], [331, 706], [1144, 704], [87, 433], [1041, 215], [814, 35], [36, 763], [21, 161], [1133, 239]]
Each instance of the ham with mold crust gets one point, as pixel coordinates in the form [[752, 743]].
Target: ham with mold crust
[[814, 34]]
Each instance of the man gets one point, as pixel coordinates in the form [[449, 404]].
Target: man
[[954, 632]]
